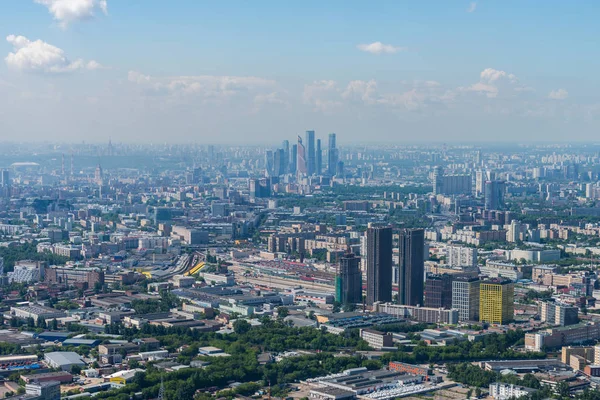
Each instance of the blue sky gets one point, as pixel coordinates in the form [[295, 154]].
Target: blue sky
[[262, 71]]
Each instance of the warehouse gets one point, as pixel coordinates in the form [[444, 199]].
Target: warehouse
[[63, 360]]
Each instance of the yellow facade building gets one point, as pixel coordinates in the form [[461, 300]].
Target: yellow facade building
[[496, 301]]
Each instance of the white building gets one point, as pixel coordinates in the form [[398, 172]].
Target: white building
[[504, 391], [459, 256]]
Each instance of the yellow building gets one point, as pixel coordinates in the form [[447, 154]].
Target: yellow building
[[496, 301]]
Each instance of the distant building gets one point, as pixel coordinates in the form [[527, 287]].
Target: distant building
[[438, 291], [494, 195], [496, 301]]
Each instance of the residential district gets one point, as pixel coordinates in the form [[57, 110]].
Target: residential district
[[305, 271]]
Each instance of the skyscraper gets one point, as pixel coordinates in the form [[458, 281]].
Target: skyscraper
[[411, 244], [348, 283], [293, 159], [268, 163], [310, 152], [319, 158], [494, 195], [438, 180], [465, 298], [496, 301], [279, 162], [301, 166], [332, 155], [286, 156], [379, 264]]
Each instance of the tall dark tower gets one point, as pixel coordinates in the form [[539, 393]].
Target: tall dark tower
[[310, 152], [379, 264], [319, 158], [348, 282], [411, 243], [332, 155]]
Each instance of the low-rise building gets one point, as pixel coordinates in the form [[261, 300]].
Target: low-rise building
[[376, 339]]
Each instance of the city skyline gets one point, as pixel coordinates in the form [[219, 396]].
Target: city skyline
[[418, 73]]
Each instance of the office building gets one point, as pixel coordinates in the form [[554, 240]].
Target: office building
[[437, 178], [479, 182], [310, 152], [411, 245], [379, 264], [496, 301], [49, 390], [348, 284], [377, 339], [556, 313], [269, 163], [465, 298], [438, 291], [293, 161], [332, 155], [494, 195], [301, 162], [319, 158], [286, 156]]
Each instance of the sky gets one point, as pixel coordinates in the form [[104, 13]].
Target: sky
[[254, 72]]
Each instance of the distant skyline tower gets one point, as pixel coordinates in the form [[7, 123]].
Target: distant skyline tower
[[301, 166], [286, 156], [348, 283], [310, 152], [494, 195], [98, 175], [293, 159], [110, 147], [72, 165], [411, 249], [268, 163], [319, 158], [438, 180], [379, 264], [62, 164], [332, 155]]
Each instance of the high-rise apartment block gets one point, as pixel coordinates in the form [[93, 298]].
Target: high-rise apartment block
[[411, 251], [379, 264], [459, 256], [348, 284]]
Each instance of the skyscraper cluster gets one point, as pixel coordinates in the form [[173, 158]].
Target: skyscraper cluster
[[305, 158]]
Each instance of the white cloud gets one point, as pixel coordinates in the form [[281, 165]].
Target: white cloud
[[322, 95], [379, 48], [67, 11], [216, 89], [361, 91], [39, 56], [472, 7], [492, 80], [559, 94]]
